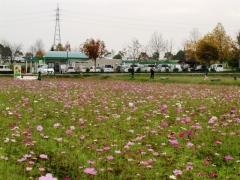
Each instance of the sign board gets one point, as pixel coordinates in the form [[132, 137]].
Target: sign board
[[17, 71]]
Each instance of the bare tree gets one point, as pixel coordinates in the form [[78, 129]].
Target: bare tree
[[169, 46], [190, 45], [134, 49], [157, 44], [37, 48], [194, 35], [39, 45], [15, 49]]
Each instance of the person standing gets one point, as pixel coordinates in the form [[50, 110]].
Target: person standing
[[39, 76], [206, 73], [132, 71], [152, 73]]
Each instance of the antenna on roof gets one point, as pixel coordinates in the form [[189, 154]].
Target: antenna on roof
[[57, 33]]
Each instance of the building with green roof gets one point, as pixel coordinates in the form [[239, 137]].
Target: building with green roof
[[55, 59]]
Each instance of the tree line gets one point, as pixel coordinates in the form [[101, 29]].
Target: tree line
[[214, 47]]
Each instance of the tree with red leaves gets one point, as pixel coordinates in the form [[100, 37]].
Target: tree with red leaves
[[94, 49]]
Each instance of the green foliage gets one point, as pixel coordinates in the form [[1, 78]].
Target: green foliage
[[207, 52], [180, 56], [168, 55], [5, 52], [155, 56]]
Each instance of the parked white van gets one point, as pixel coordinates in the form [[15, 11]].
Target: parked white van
[[44, 69], [217, 67], [163, 68], [108, 68], [5, 69]]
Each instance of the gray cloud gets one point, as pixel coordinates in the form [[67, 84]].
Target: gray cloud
[[115, 21]]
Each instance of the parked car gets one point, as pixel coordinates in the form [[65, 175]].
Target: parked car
[[163, 68], [92, 69], [44, 69], [176, 68], [200, 68], [216, 68], [136, 67], [70, 69], [147, 68], [63, 68], [82, 69], [124, 68], [108, 68], [4, 69]]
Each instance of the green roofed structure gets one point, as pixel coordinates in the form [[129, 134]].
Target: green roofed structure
[[55, 59], [64, 56]]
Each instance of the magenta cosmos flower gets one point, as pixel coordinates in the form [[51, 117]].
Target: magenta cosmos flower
[[47, 177], [228, 158], [90, 171]]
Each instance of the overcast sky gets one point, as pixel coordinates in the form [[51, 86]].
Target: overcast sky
[[114, 21]]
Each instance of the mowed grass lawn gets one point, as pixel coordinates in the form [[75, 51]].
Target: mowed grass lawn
[[113, 128]]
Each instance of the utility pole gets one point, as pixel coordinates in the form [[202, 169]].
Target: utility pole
[[57, 33]]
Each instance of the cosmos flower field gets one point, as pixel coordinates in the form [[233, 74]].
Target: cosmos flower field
[[112, 129]]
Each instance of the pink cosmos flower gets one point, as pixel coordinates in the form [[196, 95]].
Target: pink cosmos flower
[[91, 162], [47, 177], [90, 171], [197, 126], [185, 120], [177, 172], [43, 156], [174, 142], [164, 124], [39, 128], [147, 162], [189, 144], [128, 145], [218, 142], [164, 108], [228, 158], [110, 158], [233, 110], [189, 166], [212, 120], [69, 132], [106, 148]]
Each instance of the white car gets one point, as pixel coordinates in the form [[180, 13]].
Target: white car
[[5, 69], [136, 67], [108, 68], [92, 69], [124, 68], [163, 68], [177, 68], [44, 69], [216, 67], [147, 68], [71, 70], [82, 69]]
